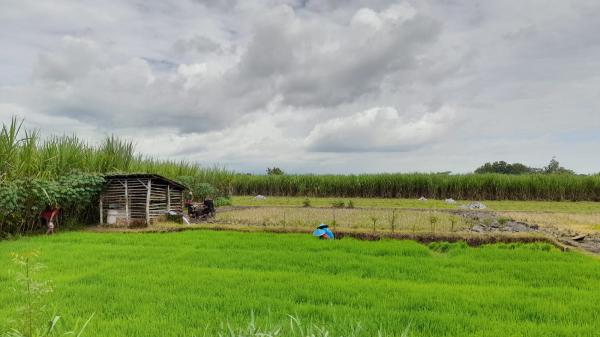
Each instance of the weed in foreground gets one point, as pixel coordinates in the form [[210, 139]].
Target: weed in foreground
[[34, 308], [295, 328]]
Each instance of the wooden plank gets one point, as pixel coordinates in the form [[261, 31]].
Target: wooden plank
[[148, 201], [126, 204]]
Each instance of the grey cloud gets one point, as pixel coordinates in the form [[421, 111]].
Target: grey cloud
[[332, 64], [307, 61], [74, 58], [224, 70], [196, 44]]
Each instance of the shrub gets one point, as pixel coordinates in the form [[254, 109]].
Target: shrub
[[199, 188], [338, 204], [22, 200], [223, 201], [306, 203]]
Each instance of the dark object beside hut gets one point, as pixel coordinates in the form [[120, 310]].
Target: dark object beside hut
[[139, 199]]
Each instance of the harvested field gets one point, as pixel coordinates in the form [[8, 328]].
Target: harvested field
[[576, 222], [580, 207], [409, 222], [359, 219]]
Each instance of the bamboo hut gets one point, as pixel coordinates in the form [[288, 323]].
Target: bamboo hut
[[139, 199]]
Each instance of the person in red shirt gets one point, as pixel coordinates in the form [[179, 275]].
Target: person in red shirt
[[48, 218]]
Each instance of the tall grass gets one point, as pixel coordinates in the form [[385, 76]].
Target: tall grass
[[23, 154], [67, 171], [415, 185]]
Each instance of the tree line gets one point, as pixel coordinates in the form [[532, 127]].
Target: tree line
[[503, 167]]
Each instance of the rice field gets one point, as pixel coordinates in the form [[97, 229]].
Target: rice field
[[206, 283], [378, 220], [410, 215]]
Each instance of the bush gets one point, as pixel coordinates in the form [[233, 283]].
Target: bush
[[23, 200], [204, 190], [199, 188], [222, 201], [306, 203], [338, 204], [350, 204]]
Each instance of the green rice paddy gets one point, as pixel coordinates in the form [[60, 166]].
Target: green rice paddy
[[196, 283]]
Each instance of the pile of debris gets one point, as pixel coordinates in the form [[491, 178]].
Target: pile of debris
[[474, 205], [587, 241], [488, 222]]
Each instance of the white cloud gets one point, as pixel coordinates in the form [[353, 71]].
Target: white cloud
[[382, 129]]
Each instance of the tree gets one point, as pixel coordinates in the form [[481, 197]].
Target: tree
[[503, 167], [275, 171], [555, 168]]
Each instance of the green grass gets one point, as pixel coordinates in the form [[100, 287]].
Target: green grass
[[188, 283], [495, 205]]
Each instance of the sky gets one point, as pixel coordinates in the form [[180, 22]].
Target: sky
[[312, 86]]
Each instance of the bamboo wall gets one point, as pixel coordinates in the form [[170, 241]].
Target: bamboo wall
[[139, 201]]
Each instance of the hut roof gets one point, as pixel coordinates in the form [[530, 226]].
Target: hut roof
[[146, 176]]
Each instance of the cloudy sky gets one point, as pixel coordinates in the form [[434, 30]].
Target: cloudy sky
[[312, 85]]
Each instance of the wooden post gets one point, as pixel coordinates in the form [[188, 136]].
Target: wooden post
[[126, 204], [148, 202], [168, 198], [101, 217]]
